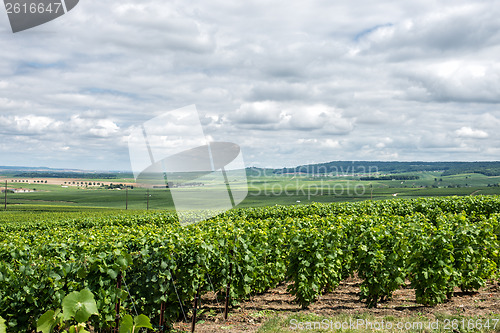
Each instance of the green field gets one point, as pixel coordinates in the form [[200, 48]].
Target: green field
[[61, 239], [436, 245], [264, 190]]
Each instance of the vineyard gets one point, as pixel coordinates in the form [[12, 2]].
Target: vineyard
[[149, 264]]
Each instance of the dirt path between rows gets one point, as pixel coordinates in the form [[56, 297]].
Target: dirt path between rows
[[251, 314]]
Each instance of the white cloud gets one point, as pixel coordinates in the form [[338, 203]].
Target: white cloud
[[104, 128], [467, 132], [354, 80], [29, 124], [265, 112]]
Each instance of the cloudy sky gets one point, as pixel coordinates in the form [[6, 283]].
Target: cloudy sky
[[291, 82]]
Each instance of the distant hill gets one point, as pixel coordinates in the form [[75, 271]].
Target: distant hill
[[18, 168], [44, 172], [65, 174], [359, 168], [372, 167]]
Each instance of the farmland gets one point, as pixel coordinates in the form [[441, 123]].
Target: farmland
[[265, 189], [438, 246]]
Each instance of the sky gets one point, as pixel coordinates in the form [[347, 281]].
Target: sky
[[292, 82]]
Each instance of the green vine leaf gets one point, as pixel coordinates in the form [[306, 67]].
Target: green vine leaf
[[79, 305], [3, 329], [47, 321]]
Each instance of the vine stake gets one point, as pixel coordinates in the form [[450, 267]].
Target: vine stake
[[117, 307], [195, 305], [162, 314], [228, 288]]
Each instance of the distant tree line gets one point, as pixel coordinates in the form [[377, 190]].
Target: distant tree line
[[51, 174], [395, 177], [372, 167], [114, 186], [485, 170]]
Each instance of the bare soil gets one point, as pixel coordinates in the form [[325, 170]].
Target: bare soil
[[248, 316]]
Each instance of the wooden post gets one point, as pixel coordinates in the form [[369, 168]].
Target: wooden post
[[117, 306], [195, 305], [5, 195], [126, 197], [147, 199], [162, 315], [228, 289]]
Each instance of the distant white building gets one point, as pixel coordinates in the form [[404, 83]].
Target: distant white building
[[17, 190]]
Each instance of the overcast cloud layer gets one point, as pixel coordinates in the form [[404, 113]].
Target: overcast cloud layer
[[292, 82]]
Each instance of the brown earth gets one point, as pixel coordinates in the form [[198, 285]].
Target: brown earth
[[251, 314], [25, 182]]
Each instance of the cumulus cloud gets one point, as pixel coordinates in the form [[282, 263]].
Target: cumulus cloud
[[257, 113], [104, 128], [281, 116], [292, 82], [451, 28], [467, 132], [28, 124], [319, 117]]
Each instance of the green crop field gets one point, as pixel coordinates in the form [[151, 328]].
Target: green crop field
[[438, 244], [264, 190], [309, 232]]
